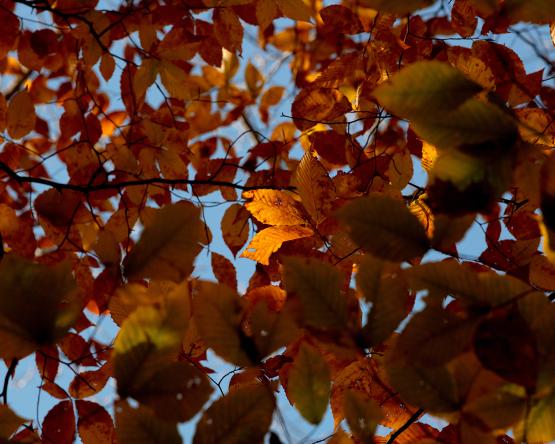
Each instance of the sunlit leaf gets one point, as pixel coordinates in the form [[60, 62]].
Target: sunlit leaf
[[243, 416], [274, 207], [270, 240], [315, 188], [385, 227]]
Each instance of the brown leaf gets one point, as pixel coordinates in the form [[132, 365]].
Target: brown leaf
[[58, 426], [95, 424]]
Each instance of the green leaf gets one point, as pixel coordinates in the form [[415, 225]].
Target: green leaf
[[217, 310], [399, 7], [385, 227], [140, 426], [242, 416], [38, 304], [308, 384], [315, 188], [318, 285], [168, 245], [425, 88]]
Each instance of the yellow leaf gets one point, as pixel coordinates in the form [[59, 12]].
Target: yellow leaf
[[295, 9], [21, 116], [240, 417], [318, 285], [274, 207], [270, 239], [385, 227], [168, 246], [308, 383], [315, 188], [425, 88], [38, 304]]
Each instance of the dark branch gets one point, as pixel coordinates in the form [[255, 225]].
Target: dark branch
[[9, 374], [405, 426]]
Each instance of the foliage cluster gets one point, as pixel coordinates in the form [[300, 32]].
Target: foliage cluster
[[338, 233]]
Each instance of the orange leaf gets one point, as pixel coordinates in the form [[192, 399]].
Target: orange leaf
[[21, 115]]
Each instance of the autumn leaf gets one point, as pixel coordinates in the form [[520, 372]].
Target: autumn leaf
[[168, 245], [140, 426], [242, 416], [270, 240], [308, 383], [94, 423], [21, 116], [9, 422], [59, 424], [218, 312], [425, 87], [385, 227], [318, 285], [31, 318], [273, 207], [399, 7]]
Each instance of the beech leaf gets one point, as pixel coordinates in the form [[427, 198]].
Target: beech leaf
[[385, 227], [168, 245], [308, 383], [240, 417]]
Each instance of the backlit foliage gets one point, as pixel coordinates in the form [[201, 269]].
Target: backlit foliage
[[345, 142]]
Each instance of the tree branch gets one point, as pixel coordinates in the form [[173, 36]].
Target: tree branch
[[90, 188], [405, 426], [9, 374]]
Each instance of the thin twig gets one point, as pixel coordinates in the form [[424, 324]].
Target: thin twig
[[405, 426]]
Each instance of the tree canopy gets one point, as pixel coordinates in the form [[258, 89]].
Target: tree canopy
[[350, 146]]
